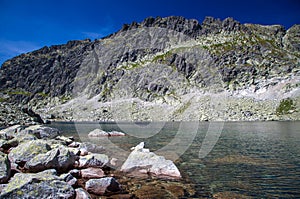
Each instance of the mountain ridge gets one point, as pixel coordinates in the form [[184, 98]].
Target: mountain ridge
[[169, 63]]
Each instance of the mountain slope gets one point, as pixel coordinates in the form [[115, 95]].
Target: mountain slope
[[164, 69]]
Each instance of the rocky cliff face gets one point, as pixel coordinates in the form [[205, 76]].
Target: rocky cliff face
[[164, 69]]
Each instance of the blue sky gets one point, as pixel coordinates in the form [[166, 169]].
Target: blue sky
[[27, 25]]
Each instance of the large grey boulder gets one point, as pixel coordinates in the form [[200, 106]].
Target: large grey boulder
[[102, 185], [143, 162], [59, 158], [42, 132], [4, 168], [40, 185], [27, 150], [93, 160]]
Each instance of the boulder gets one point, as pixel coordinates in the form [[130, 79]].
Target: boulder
[[90, 173], [116, 133], [40, 185], [69, 178], [102, 185], [93, 148], [101, 133], [143, 162], [59, 158], [27, 150], [4, 168], [93, 160], [66, 141], [82, 194], [98, 133], [41, 132], [7, 144], [10, 131]]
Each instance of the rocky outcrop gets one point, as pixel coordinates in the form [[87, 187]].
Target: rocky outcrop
[[142, 162], [46, 167], [156, 70]]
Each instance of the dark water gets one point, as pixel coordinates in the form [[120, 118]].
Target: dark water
[[255, 159]]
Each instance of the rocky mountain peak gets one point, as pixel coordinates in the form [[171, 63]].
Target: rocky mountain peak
[[159, 64]]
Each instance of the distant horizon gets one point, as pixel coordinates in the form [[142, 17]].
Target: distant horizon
[[31, 25]]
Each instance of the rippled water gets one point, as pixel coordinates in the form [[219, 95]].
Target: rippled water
[[250, 159]]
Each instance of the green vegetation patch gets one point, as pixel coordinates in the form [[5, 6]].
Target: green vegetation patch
[[286, 106]]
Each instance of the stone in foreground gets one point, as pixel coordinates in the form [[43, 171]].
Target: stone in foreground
[[102, 186], [40, 185], [26, 151], [60, 159], [143, 162]]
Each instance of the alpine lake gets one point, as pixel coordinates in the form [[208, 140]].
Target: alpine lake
[[220, 159]]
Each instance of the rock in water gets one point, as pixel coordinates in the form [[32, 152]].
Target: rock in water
[[4, 168], [101, 133], [98, 133], [102, 186], [142, 162], [40, 185]]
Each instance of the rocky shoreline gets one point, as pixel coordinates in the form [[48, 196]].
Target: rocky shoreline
[[38, 162]]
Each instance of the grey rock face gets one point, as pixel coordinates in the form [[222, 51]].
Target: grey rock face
[[103, 185], [156, 65], [41, 185]]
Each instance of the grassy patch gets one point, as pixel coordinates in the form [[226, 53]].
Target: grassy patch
[[286, 106]]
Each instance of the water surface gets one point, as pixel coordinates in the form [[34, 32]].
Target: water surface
[[254, 159]]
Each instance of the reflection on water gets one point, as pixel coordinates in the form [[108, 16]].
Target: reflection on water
[[250, 159]]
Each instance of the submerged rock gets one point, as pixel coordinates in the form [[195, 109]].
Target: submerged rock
[[102, 186], [4, 168], [40, 185], [143, 162]]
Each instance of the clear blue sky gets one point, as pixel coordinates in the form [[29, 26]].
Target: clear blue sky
[[27, 25]]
